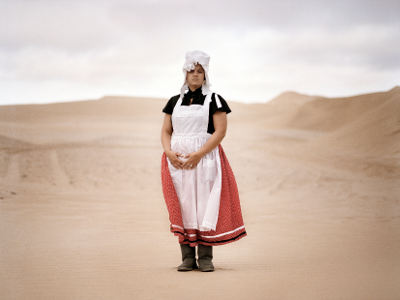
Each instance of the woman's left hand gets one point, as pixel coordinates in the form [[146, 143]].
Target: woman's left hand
[[192, 160]]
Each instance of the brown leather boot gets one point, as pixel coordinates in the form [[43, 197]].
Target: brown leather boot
[[205, 256], [188, 258]]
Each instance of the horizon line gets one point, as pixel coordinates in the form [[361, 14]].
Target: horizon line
[[237, 101]]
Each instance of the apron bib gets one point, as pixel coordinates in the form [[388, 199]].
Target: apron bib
[[198, 189]]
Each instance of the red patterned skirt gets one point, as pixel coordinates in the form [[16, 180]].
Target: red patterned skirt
[[230, 226]]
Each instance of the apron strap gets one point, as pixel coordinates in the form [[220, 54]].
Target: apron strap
[[219, 105]]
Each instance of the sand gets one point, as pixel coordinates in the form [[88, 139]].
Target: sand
[[82, 214]]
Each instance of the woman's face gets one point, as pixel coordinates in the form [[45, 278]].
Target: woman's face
[[195, 78]]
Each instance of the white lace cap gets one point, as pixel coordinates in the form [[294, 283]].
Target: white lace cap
[[191, 59]]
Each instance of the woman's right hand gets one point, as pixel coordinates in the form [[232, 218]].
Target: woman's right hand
[[174, 159]]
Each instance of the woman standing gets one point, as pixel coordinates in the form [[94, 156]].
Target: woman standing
[[198, 184]]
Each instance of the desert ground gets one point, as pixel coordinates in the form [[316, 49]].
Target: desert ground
[[82, 215]]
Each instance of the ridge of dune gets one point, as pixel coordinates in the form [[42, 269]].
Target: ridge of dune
[[367, 121], [297, 111], [359, 133], [102, 107], [328, 114], [376, 130], [272, 114], [290, 98], [8, 143]]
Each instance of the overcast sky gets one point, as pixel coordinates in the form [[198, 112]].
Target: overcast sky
[[73, 50]]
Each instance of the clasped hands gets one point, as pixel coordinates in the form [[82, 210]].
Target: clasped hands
[[191, 159]]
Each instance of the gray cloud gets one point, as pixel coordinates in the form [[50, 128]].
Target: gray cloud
[[68, 26], [258, 48], [276, 14]]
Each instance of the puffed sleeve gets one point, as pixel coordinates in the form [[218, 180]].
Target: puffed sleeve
[[169, 107], [218, 104]]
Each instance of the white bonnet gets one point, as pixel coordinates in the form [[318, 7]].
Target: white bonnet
[[192, 58]]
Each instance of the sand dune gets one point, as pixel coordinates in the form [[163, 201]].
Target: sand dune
[[360, 133], [82, 214], [328, 114]]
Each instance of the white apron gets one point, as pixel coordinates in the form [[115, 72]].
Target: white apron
[[198, 189]]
